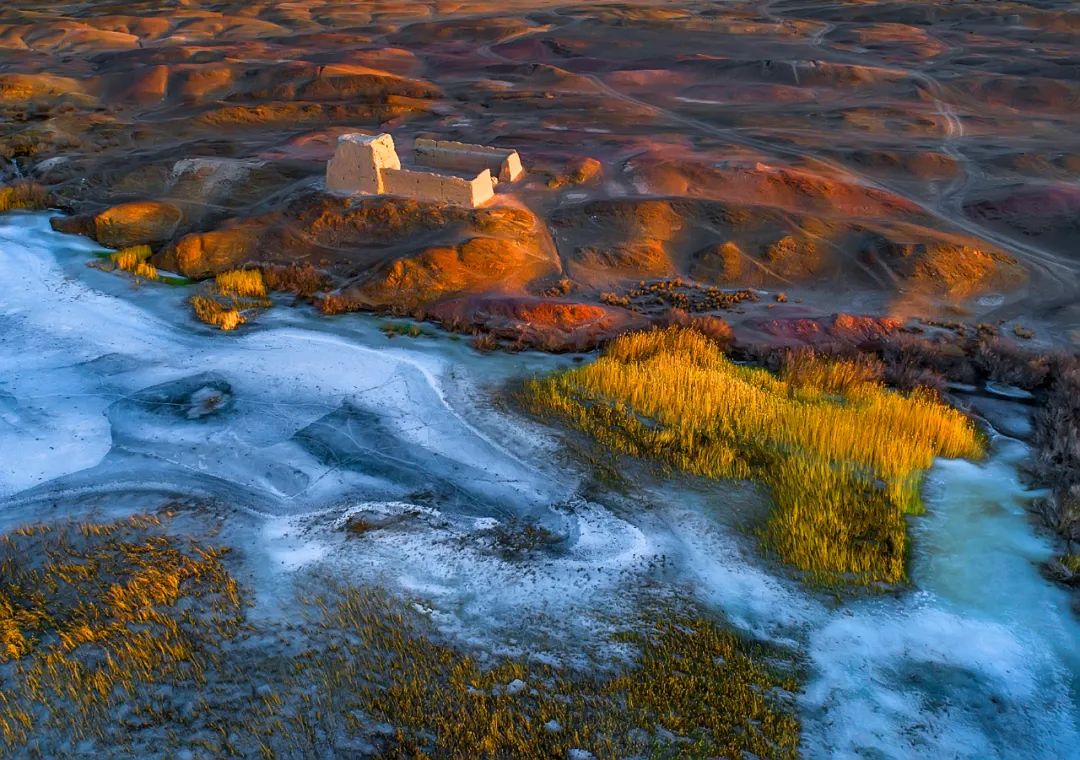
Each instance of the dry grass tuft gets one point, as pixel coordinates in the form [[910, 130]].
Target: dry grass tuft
[[213, 312], [843, 456], [228, 302], [243, 283], [802, 369], [302, 280], [90, 613], [484, 342], [24, 196], [134, 260]]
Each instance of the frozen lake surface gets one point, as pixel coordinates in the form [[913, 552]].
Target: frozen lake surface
[[113, 399]]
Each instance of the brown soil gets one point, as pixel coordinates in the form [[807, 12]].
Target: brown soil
[[875, 156]]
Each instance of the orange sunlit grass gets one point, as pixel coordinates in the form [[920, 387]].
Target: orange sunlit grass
[[245, 283], [693, 689], [126, 632], [24, 196], [217, 314], [134, 260], [232, 297]]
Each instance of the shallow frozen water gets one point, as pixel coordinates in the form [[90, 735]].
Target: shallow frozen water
[[112, 399]]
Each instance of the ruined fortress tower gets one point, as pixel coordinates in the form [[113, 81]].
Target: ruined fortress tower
[[369, 164]]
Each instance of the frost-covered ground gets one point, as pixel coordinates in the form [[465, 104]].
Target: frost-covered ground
[[112, 399]]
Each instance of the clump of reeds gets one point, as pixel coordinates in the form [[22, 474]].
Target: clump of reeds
[[213, 312], [243, 283], [484, 342], [231, 298], [92, 612], [843, 455], [802, 370], [134, 260], [393, 329], [24, 196]]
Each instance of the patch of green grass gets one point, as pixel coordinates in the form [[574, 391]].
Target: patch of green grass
[[407, 329]]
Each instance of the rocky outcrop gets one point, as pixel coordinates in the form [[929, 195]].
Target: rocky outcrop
[[477, 265], [139, 223], [718, 264], [379, 252], [610, 240], [205, 254], [794, 257], [128, 224], [713, 242]]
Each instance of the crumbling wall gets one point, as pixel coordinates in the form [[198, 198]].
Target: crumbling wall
[[370, 164], [447, 154], [359, 162], [439, 188]]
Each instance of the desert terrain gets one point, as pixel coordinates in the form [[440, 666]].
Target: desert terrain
[[907, 159], [747, 423]]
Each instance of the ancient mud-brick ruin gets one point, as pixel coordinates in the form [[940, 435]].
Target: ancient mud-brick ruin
[[370, 164]]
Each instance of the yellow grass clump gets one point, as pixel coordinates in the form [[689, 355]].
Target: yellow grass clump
[[134, 260], [224, 303], [843, 456], [91, 612], [25, 196], [215, 313], [245, 283]]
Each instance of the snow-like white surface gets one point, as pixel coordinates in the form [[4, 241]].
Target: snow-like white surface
[[111, 395]]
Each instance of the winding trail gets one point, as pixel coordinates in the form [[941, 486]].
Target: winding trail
[[1055, 277]]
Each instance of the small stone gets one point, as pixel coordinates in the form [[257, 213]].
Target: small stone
[[515, 687]]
